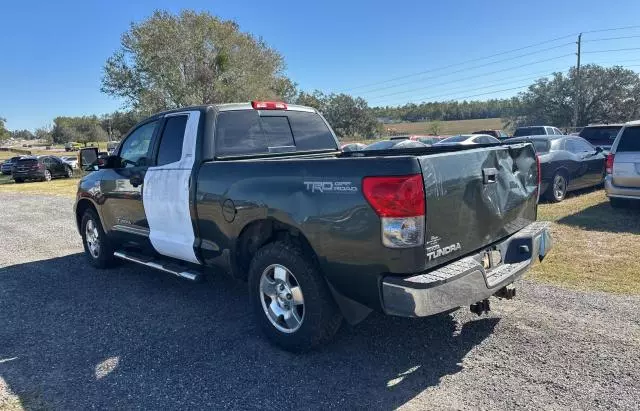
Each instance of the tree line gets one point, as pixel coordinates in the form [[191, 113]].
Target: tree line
[[191, 58]]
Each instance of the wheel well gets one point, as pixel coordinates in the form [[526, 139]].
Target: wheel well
[[81, 207], [259, 233]]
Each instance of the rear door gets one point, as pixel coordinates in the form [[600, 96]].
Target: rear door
[[626, 165], [167, 187], [121, 187], [578, 168], [477, 197]]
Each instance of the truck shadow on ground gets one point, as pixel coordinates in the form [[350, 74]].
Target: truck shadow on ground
[[74, 337], [602, 217]]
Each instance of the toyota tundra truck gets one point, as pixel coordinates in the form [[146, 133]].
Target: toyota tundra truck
[[261, 191]]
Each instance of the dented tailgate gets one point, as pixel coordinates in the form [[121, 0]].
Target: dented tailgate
[[477, 197]]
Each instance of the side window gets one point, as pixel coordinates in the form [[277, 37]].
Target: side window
[[170, 149], [46, 161], [135, 148], [573, 146], [558, 131], [584, 146]]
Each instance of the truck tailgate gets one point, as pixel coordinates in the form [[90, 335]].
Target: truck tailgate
[[477, 197]]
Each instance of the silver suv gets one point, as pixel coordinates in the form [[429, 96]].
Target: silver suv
[[622, 182]]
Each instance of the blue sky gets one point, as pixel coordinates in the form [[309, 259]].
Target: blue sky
[[53, 52]]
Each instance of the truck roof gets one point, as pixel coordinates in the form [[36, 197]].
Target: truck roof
[[232, 107]]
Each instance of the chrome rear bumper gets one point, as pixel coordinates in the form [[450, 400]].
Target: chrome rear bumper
[[466, 281]]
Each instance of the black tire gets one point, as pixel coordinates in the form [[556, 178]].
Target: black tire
[[321, 318], [47, 176], [557, 194], [103, 258], [19, 180], [618, 202], [69, 172]]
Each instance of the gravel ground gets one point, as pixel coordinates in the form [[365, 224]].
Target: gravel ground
[[72, 337]]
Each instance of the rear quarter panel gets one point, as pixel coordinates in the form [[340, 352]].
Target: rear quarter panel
[[339, 224]]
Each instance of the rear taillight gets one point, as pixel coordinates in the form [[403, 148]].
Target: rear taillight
[[539, 171], [268, 105], [400, 202], [609, 163]]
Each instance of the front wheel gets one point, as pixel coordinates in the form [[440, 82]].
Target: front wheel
[[19, 180], [69, 173], [290, 298], [96, 244], [47, 175]]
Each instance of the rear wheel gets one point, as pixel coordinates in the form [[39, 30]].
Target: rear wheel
[[290, 298], [47, 175], [19, 180], [69, 173], [558, 189], [96, 244]]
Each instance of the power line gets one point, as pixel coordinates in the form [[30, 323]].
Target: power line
[[462, 70], [612, 29], [611, 50], [476, 89], [486, 74], [460, 63], [611, 38], [499, 83]]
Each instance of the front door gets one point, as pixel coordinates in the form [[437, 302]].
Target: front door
[[122, 186]]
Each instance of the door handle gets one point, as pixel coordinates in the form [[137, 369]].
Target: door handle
[[135, 180], [489, 175]]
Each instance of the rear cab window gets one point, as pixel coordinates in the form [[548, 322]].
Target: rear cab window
[[529, 131], [629, 140], [170, 149], [600, 136], [252, 132]]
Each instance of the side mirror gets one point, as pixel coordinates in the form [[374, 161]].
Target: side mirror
[[87, 158], [599, 149]]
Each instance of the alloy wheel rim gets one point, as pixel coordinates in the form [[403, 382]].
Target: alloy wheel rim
[[559, 186], [47, 175], [92, 239], [281, 298]]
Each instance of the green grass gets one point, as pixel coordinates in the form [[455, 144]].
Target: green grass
[[66, 187], [596, 247]]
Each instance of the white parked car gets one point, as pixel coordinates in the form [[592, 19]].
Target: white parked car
[[466, 139], [71, 160]]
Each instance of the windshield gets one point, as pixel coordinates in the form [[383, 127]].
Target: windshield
[[381, 145], [529, 131], [600, 136], [455, 139], [541, 146]]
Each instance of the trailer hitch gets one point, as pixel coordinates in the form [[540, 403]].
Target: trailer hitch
[[480, 307]]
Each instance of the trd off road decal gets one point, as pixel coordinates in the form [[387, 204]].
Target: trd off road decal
[[330, 187]]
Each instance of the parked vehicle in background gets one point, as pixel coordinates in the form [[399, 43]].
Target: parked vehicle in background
[[428, 140], [42, 168], [465, 139], [7, 166], [499, 134], [602, 135], [623, 166], [394, 144], [318, 234], [111, 146], [71, 160], [353, 147], [71, 146], [537, 131], [567, 163]]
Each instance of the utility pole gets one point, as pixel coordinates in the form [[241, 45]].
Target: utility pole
[[577, 97]]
